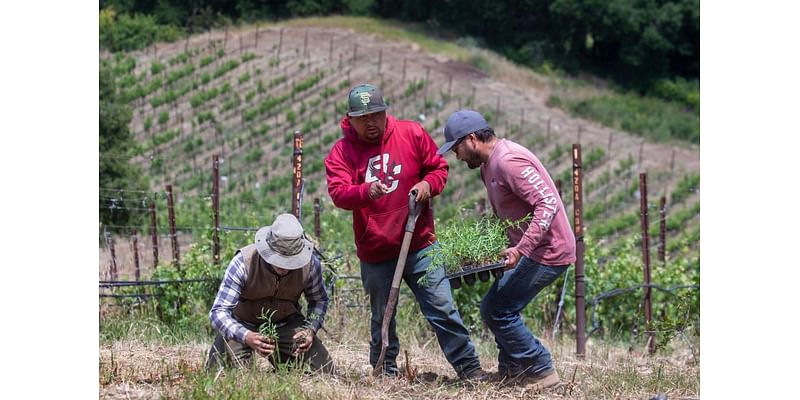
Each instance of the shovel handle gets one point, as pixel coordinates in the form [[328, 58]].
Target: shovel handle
[[394, 291], [413, 211]]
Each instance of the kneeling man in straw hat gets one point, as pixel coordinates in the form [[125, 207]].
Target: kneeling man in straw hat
[[266, 279]]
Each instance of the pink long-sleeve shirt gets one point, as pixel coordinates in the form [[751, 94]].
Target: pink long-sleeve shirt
[[519, 185]]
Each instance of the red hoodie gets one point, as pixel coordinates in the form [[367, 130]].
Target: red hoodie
[[409, 156]]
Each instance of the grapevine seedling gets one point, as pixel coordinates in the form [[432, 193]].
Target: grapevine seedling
[[268, 328]]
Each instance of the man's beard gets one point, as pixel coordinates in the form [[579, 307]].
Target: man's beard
[[473, 161]]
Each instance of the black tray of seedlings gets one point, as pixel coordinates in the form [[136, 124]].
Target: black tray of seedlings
[[470, 274]]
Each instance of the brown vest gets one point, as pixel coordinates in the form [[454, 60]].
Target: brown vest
[[264, 289]]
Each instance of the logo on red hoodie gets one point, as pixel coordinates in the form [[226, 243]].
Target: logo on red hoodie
[[390, 175]]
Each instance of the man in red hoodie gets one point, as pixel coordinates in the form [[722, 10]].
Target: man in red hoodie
[[371, 171]]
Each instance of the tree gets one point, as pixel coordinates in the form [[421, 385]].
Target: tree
[[115, 168]]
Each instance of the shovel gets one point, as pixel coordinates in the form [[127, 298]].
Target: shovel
[[391, 304]]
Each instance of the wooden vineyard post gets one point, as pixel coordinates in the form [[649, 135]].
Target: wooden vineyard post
[[173, 234], [672, 164], [403, 79], [112, 268], [641, 154], [135, 239], [662, 231], [648, 307], [215, 205], [330, 52], [297, 174], [317, 225], [449, 87], [154, 232], [380, 59], [305, 45], [558, 187], [580, 301], [425, 93]]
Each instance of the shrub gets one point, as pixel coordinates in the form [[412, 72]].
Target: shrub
[[156, 68], [254, 155], [126, 33], [644, 116]]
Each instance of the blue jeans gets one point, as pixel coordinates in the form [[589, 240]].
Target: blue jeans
[[436, 303], [520, 351]]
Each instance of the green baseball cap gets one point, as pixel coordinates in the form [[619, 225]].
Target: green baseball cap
[[365, 99]]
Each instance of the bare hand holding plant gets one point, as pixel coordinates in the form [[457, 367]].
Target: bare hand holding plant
[[303, 340], [261, 344]]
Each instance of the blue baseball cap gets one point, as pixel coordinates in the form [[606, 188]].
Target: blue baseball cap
[[460, 124]]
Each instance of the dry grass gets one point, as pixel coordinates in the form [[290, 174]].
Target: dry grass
[[143, 368]]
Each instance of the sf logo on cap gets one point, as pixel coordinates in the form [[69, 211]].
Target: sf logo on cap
[[365, 96]]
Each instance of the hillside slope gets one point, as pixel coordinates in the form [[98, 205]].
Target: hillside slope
[[242, 93]]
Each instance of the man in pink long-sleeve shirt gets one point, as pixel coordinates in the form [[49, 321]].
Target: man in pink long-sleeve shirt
[[540, 250]]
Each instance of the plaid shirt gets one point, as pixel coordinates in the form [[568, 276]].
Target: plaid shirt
[[230, 289]]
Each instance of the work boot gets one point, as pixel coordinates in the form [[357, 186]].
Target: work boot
[[477, 375], [536, 382]]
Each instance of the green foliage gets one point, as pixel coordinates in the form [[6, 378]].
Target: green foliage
[[254, 155], [167, 96], [678, 90], [686, 186], [623, 166], [472, 242], [593, 158], [115, 142], [156, 68], [206, 60], [180, 58], [163, 117], [244, 77], [204, 96], [327, 92], [204, 116], [307, 83], [268, 328], [330, 138], [176, 74], [247, 57], [269, 103], [189, 303], [291, 116], [124, 33], [557, 153], [647, 117], [231, 103], [225, 68], [250, 114], [164, 137], [413, 87]]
